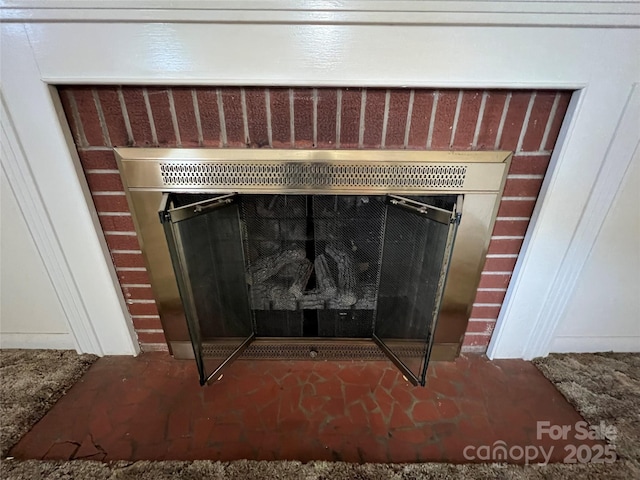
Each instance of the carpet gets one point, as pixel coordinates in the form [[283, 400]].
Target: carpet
[[31, 381], [600, 386], [603, 387]]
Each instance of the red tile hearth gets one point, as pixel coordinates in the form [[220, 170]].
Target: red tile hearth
[[151, 407]]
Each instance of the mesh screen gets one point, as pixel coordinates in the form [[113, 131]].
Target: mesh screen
[[414, 249], [214, 264], [315, 254]]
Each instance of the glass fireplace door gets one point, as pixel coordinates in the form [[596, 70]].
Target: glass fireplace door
[[205, 242], [418, 241]]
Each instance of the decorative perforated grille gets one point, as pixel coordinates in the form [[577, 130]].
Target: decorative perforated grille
[[313, 351], [315, 175]]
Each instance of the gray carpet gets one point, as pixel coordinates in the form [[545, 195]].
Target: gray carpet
[[602, 387], [31, 381]]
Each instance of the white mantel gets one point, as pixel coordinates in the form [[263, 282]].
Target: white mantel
[[589, 46]]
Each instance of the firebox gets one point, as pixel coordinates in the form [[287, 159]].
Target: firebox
[[368, 250]]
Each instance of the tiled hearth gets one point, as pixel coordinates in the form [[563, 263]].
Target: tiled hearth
[[525, 122], [150, 407]]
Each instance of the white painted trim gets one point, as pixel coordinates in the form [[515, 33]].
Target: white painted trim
[[623, 143], [16, 168], [427, 12], [51, 341], [65, 230], [610, 177], [594, 344], [342, 54]]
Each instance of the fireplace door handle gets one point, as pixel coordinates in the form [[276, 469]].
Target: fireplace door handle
[[193, 209]]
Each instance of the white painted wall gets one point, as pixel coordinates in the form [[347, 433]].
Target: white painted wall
[[604, 311], [30, 313]]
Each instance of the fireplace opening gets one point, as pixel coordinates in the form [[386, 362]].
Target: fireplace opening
[[313, 254], [311, 266]]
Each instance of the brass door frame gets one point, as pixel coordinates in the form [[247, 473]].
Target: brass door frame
[[482, 183]]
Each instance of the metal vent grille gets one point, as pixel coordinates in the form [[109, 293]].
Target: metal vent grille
[[312, 175], [312, 351]]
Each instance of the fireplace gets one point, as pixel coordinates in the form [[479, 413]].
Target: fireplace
[[334, 252], [328, 121]]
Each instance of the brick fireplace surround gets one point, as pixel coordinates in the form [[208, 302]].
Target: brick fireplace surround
[[523, 121]]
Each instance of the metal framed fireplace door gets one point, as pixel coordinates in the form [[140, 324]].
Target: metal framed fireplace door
[[417, 248], [205, 236], [205, 245]]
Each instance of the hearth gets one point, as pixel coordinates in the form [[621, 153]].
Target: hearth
[[312, 250]]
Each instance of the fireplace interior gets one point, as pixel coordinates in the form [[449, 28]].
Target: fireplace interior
[[329, 266]]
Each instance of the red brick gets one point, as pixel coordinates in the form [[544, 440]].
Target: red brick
[[495, 281], [522, 187], [143, 309], [128, 276], [138, 116], [399, 418], [476, 340], [538, 121], [117, 224], [358, 415], [120, 450], [350, 117], [327, 108], [529, 165], [138, 293], [105, 182], [209, 116], [186, 116], [397, 120], [485, 312], [425, 411], [102, 159], [280, 118], [516, 208], [128, 259], [373, 118], [89, 116], [113, 116], [561, 110], [412, 435], [256, 101], [508, 245], [510, 228], [388, 379], [445, 113], [232, 102], [490, 296], [403, 398], [447, 408], [467, 120], [485, 326], [65, 94], [514, 121], [151, 337], [87, 449], [147, 323], [162, 119], [179, 423], [61, 451], [493, 108], [354, 393], [303, 117], [420, 119], [500, 264], [122, 242], [111, 203]]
